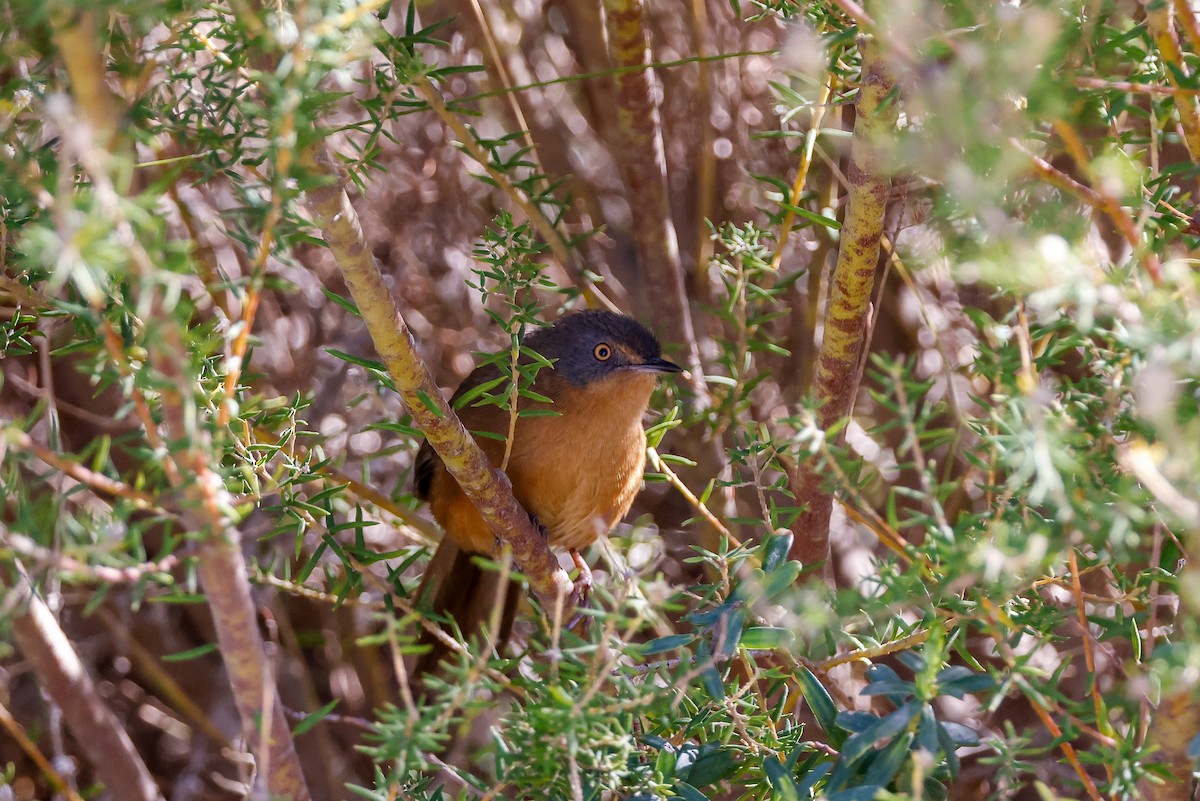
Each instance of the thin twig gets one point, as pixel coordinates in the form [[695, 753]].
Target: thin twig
[[104, 574], [806, 158], [35, 755], [97, 482], [1104, 204], [673, 478]]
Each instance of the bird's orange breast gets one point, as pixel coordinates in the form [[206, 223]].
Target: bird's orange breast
[[577, 471]]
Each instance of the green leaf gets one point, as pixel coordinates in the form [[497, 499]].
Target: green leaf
[[474, 392], [776, 548], [687, 792], [758, 638], [191, 653], [668, 643], [313, 718], [782, 783], [361, 361], [345, 303], [430, 404], [819, 700], [812, 216]]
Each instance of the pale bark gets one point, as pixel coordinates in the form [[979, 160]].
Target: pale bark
[[65, 679]]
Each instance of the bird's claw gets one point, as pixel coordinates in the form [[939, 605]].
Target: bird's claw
[[580, 593], [545, 532]]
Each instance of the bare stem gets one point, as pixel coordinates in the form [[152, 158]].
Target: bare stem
[[846, 318]]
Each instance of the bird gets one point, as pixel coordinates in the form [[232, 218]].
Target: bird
[[575, 463]]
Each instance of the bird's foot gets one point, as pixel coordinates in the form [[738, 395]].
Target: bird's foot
[[579, 595], [537, 524]]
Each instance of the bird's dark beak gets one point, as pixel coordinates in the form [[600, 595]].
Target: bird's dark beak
[[658, 365]]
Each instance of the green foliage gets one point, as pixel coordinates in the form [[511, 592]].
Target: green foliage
[[1020, 483]]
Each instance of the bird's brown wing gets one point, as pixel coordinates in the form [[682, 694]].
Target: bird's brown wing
[[427, 461], [454, 586]]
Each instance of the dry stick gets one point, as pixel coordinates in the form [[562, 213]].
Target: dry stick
[[1127, 86], [1089, 655], [65, 678], [640, 156], [675, 481], [152, 670], [867, 25], [76, 36], [850, 294], [1170, 731], [1067, 749], [10, 724], [22, 294], [236, 356], [642, 163], [98, 482], [425, 531], [64, 564], [487, 487], [506, 81], [997, 620], [706, 171], [1177, 719]]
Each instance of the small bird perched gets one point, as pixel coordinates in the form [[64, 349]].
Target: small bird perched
[[576, 470]]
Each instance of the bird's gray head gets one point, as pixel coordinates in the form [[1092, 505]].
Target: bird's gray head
[[590, 345]]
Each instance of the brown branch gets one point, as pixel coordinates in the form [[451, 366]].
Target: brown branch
[[1172, 728], [221, 568], [1067, 749], [656, 462], [1126, 86], [422, 530], [76, 36], [97, 482], [846, 317], [642, 161], [65, 678], [868, 26], [486, 486], [153, 672], [104, 574], [996, 622], [806, 157], [1089, 653], [703, 35]]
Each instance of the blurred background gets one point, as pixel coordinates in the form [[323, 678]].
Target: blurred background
[[1033, 280]]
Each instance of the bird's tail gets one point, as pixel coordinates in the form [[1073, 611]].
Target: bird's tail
[[481, 602]]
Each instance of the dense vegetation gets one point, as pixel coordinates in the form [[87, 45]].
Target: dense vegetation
[[916, 524]]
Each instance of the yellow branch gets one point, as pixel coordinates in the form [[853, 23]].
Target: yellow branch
[[853, 279], [486, 486], [1160, 20]]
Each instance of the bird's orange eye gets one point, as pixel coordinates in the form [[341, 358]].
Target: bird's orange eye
[[602, 352]]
